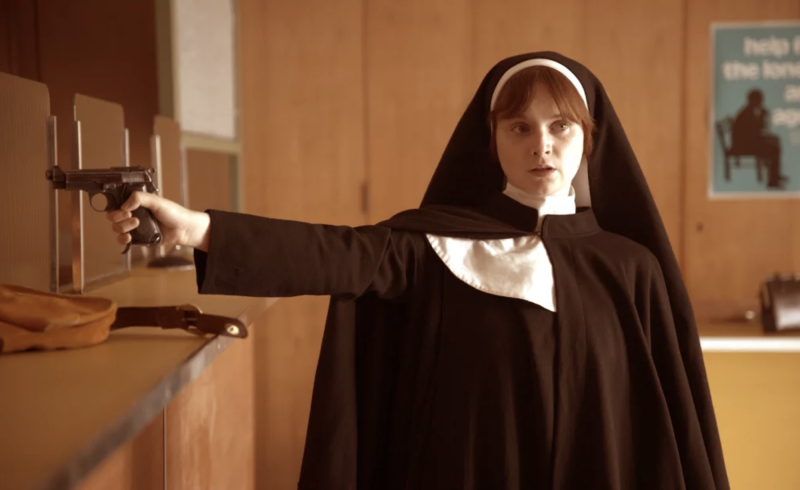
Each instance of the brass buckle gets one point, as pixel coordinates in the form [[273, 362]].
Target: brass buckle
[[191, 314]]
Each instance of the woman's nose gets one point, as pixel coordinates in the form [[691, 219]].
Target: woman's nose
[[541, 143]]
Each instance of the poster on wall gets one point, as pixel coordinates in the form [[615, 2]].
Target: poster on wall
[[755, 110]]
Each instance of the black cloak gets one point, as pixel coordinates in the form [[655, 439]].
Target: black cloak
[[425, 382]]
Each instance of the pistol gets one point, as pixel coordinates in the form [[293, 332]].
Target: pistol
[[108, 189]]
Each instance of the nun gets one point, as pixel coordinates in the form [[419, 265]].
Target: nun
[[527, 327]]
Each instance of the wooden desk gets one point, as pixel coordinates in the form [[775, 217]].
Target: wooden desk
[[148, 409], [745, 337], [145, 409]]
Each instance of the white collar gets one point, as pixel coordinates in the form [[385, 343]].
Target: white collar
[[512, 267], [544, 204]]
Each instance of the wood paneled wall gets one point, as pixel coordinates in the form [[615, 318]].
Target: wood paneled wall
[[302, 85], [418, 62], [7, 38], [730, 245], [424, 64], [210, 180], [370, 91], [19, 42], [105, 50], [336, 94]]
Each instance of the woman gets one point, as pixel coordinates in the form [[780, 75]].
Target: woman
[[500, 336]]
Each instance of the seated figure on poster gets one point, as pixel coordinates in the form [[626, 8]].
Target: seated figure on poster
[[750, 137]]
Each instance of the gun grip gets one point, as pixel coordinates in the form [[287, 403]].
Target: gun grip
[[148, 233]]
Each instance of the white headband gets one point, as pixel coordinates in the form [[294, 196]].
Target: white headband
[[538, 62]]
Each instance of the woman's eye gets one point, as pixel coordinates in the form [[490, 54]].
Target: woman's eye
[[519, 128], [562, 125]]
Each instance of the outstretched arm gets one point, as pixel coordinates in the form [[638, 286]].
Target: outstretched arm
[[255, 256], [240, 254]]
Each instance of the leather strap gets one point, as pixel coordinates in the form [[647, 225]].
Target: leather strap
[[186, 317]]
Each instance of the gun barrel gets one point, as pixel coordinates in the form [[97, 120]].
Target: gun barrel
[[99, 177], [116, 174], [57, 177]]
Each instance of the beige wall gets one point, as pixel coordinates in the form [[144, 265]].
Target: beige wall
[[424, 62], [303, 112], [210, 180]]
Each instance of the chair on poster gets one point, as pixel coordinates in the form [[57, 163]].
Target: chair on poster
[[724, 129], [167, 158]]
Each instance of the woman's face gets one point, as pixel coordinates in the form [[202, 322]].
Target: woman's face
[[539, 150]]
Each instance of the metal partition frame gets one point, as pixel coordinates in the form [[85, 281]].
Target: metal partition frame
[[28, 206], [100, 140]]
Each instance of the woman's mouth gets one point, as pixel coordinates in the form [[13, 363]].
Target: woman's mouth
[[547, 170]]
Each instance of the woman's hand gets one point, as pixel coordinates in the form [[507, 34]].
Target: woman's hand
[[179, 226]]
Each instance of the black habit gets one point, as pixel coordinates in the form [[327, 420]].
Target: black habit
[[425, 382]]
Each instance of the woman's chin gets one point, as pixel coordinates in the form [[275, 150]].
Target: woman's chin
[[541, 185]]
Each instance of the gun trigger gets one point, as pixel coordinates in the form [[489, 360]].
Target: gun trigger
[[127, 247]]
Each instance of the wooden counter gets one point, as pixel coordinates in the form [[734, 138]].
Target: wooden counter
[[62, 413], [148, 409], [745, 336], [755, 385]]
